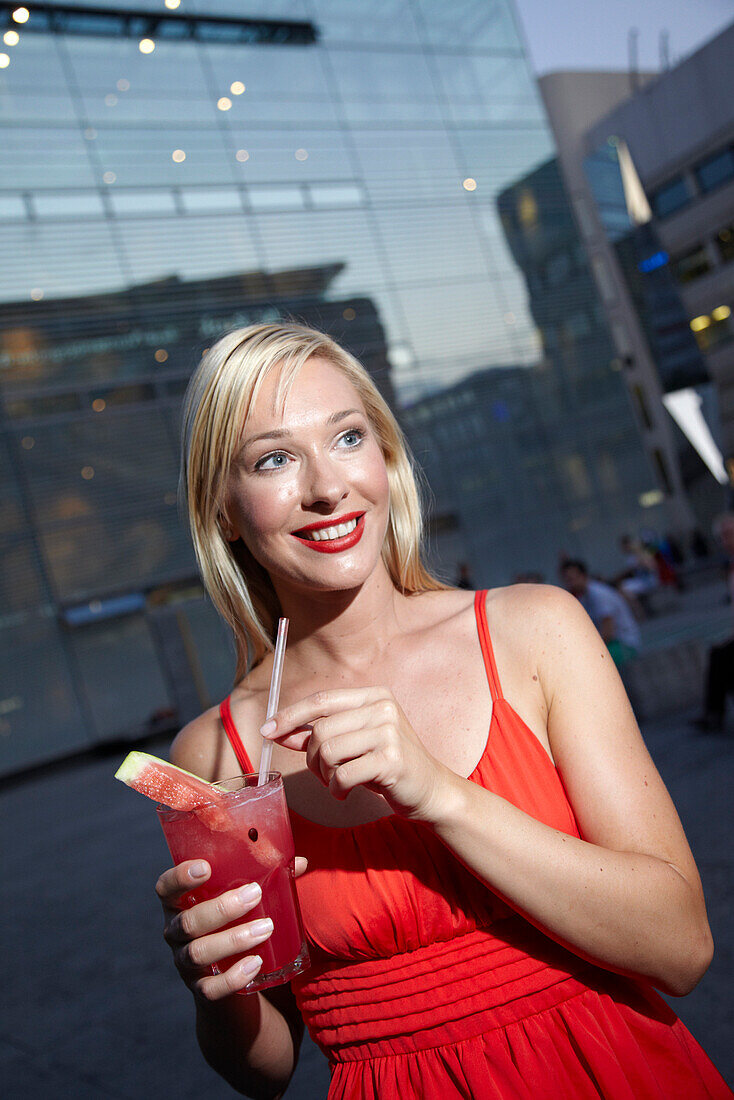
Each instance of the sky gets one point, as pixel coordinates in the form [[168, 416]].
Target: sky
[[593, 34]]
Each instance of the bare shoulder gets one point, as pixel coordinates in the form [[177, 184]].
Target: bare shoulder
[[202, 746]]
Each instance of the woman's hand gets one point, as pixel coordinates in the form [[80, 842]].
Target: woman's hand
[[361, 737], [198, 937]]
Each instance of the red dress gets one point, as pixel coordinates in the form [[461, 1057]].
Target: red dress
[[426, 986]]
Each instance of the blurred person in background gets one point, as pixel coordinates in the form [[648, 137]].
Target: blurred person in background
[[639, 577], [720, 670], [497, 876], [606, 608]]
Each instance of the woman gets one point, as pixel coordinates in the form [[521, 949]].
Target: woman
[[465, 941]]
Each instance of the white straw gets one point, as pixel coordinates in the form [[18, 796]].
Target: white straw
[[274, 696]]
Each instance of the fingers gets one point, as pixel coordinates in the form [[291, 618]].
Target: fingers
[[213, 987], [175, 883], [291, 726], [202, 952], [324, 756], [209, 916]]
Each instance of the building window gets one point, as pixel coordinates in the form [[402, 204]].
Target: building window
[[712, 329], [714, 171], [670, 197], [725, 243], [692, 265]]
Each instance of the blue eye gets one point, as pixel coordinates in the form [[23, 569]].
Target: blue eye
[[352, 438], [275, 461]]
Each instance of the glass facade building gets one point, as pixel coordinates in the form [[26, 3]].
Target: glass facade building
[[171, 172]]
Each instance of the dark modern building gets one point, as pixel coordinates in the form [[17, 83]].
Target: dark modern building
[[168, 172]]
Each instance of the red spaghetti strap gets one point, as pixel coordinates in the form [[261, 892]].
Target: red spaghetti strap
[[225, 713], [485, 643]]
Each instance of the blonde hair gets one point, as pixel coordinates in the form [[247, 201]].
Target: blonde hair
[[216, 406]]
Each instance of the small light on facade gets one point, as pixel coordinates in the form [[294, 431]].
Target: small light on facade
[[11, 38], [178, 155], [172, 4], [237, 87], [36, 293], [87, 472], [242, 155], [99, 404], [27, 442], [469, 184], [109, 177], [651, 498], [721, 313], [123, 85], [4, 61], [301, 154], [90, 133], [146, 45], [160, 355], [21, 15], [110, 100], [224, 104], [349, 314], [700, 323]]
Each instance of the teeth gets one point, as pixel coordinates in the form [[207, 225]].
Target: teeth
[[326, 533]]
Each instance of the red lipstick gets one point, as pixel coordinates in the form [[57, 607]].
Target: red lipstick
[[332, 546]]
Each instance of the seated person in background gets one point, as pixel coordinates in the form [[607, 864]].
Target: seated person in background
[[606, 608]]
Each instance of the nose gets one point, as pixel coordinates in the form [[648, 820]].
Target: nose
[[324, 483]]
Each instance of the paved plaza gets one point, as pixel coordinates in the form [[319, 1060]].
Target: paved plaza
[[92, 1006]]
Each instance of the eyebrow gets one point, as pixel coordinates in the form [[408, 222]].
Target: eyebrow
[[283, 433]]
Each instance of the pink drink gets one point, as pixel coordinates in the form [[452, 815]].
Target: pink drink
[[247, 838]]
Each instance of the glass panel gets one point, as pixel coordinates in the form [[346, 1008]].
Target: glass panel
[[673, 196], [80, 204], [40, 717], [38, 263], [12, 208], [714, 171], [482, 88], [139, 201], [112, 655], [693, 265], [211, 198], [470, 24], [378, 21], [395, 86]]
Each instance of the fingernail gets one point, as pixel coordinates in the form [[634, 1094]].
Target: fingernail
[[198, 870], [261, 927], [249, 893], [251, 965], [269, 727]]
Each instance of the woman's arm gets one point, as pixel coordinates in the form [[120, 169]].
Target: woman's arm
[[252, 1041], [627, 896]]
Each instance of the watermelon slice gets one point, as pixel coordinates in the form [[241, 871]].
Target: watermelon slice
[[174, 787]]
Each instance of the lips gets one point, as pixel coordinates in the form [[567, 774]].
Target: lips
[[330, 536]]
